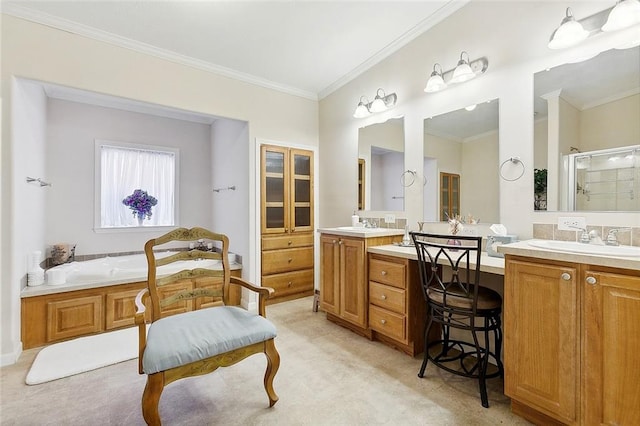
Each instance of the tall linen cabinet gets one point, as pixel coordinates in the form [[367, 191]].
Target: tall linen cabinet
[[287, 221]]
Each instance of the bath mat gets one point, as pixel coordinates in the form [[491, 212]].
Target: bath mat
[[83, 354]]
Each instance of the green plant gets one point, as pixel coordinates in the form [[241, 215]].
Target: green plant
[[539, 181]]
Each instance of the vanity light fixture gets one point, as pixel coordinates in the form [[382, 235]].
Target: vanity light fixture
[[436, 81], [382, 102], [464, 71], [624, 14], [362, 110], [569, 33]]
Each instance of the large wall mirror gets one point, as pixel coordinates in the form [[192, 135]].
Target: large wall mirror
[[587, 134], [461, 164], [380, 166]]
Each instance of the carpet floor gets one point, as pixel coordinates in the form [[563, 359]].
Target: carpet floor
[[328, 376]]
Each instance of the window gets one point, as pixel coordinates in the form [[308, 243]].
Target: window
[[122, 168]]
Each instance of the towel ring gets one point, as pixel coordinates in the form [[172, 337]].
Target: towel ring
[[514, 160], [412, 176]]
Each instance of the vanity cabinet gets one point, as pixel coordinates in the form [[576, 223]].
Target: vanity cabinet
[[287, 222], [571, 342], [344, 278], [397, 309]]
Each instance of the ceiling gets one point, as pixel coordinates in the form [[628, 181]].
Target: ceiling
[[306, 48], [611, 75]]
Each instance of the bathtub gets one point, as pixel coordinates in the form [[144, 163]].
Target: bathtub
[[118, 269]]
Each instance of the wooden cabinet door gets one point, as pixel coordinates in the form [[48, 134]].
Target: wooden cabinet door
[[74, 317], [353, 291], [611, 348], [274, 191], [120, 309], [330, 274], [541, 342], [301, 190]]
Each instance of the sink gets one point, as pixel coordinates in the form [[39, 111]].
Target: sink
[[573, 247], [360, 229]]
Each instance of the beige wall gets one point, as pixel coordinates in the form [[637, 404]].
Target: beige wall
[[42, 53], [611, 125]]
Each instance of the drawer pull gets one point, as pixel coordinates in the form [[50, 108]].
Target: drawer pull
[[383, 297], [565, 276], [383, 321], [289, 284], [591, 280], [383, 273], [333, 241], [289, 260], [290, 242]]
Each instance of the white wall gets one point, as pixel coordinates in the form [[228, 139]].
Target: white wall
[[516, 48], [42, 53]]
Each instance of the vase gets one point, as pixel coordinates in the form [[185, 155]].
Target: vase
[[140, 220], [454, 243]]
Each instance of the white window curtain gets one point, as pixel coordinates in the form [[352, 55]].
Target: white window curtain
[[124, 170]]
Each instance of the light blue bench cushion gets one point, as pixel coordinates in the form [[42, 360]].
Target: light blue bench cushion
[[192, 336]]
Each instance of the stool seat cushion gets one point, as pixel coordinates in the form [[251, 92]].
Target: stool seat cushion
[[192, 336], [487, 298]]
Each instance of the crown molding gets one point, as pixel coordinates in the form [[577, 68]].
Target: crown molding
[[406, 38], [32, 15]]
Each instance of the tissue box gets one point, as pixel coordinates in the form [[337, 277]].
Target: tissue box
[[493, 241]]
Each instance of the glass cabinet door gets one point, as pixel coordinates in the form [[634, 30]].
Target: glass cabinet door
[[274, 189], [287, 190], [449, 195], [302, 190]]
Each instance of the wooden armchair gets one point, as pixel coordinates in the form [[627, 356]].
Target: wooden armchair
[[192, 329]]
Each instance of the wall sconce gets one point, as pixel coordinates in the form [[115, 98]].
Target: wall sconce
[[464, 71], [381, 102], [624, 14]]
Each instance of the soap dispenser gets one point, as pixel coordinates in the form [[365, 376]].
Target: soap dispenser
[[406, 240], [355, 219]]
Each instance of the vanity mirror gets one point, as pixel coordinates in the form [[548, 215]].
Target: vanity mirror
[[461, 164], [587, 133], [380, 166]]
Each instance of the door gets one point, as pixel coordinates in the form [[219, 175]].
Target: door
[[611, 348], [541, 342], [330, 274], [353, 301]]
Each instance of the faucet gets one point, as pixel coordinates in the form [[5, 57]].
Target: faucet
[[585, 237], [589, 237], [612, 239], [594, 238]]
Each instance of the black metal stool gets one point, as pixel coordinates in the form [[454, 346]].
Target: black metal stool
[[459, 302]]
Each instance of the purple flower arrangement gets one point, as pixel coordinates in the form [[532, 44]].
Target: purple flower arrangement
[[140, 202]]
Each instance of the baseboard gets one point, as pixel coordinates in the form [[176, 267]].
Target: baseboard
[[249, 306], [11, 357]]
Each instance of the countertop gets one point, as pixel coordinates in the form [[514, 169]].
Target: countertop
[[44, 289], [349, 231], [522, 248], [492, 265]]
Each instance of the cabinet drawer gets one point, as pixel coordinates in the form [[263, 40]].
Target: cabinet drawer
[[289, 282], [71, 318], [387, 297], [388, 323], [387, 273], [287, 241], [286, 260]]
